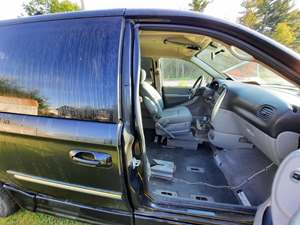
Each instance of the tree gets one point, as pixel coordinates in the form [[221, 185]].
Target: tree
[[199, 5], [275, 18], [284, 34], [294, 23], [249, 19], [37, 7], [63, 6]]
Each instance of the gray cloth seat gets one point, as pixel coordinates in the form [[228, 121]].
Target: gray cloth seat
[[168, 122]]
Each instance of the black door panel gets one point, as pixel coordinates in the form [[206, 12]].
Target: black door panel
[[58, 95], [175, 95], [39, 147]]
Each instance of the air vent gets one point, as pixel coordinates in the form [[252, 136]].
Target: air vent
[[265, 112]]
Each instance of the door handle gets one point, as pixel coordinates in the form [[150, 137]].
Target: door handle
[[90, 158]]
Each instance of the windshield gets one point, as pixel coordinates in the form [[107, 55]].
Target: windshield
[[223, 60]]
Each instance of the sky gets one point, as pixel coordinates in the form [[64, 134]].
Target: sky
[[225, 9]]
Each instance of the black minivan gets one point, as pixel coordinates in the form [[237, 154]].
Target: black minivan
[[148, 117]]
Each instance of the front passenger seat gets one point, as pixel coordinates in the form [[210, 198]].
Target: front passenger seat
[[168, 122]]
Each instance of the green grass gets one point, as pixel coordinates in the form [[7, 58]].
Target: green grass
[[28, 218]]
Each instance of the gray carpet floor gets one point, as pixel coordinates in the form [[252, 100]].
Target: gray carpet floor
[[209, 172]]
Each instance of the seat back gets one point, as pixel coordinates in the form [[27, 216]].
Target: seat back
[[153, 100]]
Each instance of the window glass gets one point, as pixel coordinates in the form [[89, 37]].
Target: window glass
[[179, 73], [61, 69], [220, 62], [221, 59], [252, 71]]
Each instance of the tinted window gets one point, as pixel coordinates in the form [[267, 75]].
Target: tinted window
[[61, 68]]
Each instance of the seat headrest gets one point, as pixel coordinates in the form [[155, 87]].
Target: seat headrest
[[143, 75]]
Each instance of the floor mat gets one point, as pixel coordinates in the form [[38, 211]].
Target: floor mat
[[193, 166]]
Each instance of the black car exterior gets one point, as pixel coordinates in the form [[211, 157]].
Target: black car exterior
[[81, 69]]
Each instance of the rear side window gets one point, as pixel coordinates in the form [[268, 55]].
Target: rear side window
[[61, 69]]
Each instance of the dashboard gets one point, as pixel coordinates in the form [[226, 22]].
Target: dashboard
[[265, 117], [263, 108]]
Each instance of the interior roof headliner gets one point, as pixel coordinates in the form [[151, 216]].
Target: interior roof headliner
[[153, 44]]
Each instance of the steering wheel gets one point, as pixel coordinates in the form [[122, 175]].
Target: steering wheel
[[195, 87]]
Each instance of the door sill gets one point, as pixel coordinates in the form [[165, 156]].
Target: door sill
[[204, 205], [209, 212]]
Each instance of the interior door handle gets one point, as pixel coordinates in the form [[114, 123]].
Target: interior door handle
[[90, 158]]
